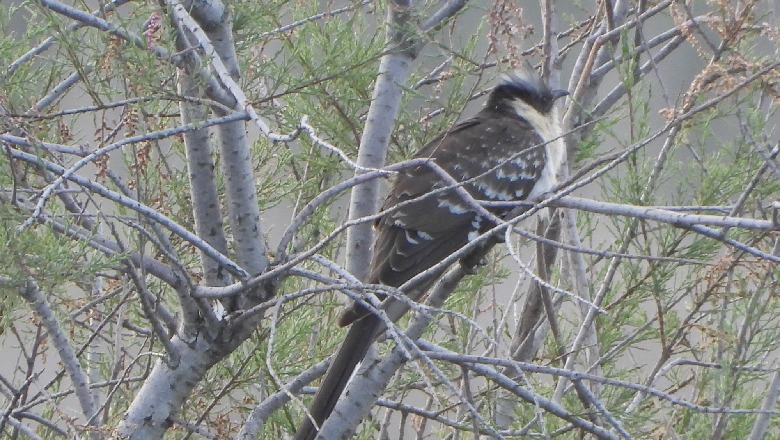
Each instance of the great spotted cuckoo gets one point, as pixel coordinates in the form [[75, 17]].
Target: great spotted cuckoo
[[511, 150]]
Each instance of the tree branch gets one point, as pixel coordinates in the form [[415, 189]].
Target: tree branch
[[78, 378], [394, 69]]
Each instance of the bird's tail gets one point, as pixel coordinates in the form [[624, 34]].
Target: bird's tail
[[359, 337]]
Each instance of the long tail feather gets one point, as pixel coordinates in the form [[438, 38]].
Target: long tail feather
[[359, 338]]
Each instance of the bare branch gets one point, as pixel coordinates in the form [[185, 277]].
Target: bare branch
[[394, 69], [236, 159], [91, 157], [136, 206], [447, 11], [203, 186], [48, 42], [78, 378], [93, 21]]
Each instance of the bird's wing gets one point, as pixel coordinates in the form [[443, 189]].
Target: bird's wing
[[418, 235]]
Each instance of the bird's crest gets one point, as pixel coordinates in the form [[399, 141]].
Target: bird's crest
[[525, 85], [526, 77]]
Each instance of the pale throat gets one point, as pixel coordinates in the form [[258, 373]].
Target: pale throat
[[549, 128]]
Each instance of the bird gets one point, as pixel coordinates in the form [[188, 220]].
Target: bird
[[509, 151]]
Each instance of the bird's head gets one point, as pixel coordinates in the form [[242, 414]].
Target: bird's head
[[523, 89]]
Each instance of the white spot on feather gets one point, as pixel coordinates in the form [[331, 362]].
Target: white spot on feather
[[475, 224], [452, 207], [409, 238], [503, 174], [520, 163], [493, 193]]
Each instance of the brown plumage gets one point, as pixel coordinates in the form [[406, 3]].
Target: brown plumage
[[511, 146], [419, 235]]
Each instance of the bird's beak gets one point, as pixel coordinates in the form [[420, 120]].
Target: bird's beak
[[559, 93]]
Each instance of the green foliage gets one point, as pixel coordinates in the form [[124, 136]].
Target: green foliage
[[669, 293], [44, 255]]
